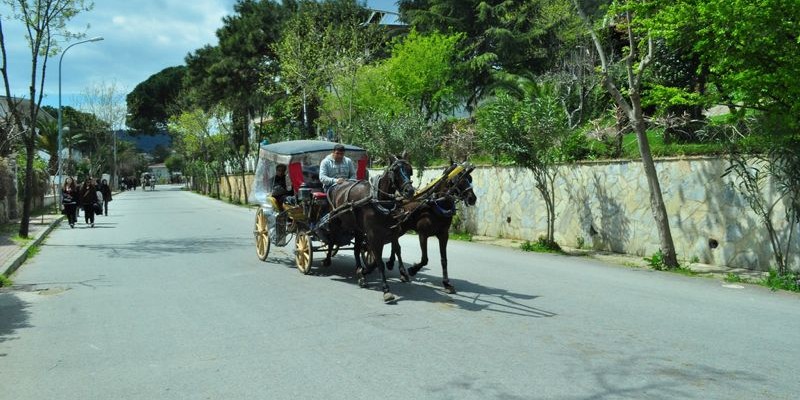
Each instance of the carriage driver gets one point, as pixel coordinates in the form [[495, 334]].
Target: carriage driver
[[336, 168]]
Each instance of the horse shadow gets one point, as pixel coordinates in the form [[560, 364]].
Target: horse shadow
[[425, 288]]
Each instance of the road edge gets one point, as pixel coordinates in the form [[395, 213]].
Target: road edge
[[12, 264]]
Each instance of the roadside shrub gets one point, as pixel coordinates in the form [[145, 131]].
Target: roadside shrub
[[787, 281], [541, 245]]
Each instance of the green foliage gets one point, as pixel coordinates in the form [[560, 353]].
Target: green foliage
[[463, 236], [528, 131], [513, 36], [371, 92], [580, 242], [776, 280], [5, 281], [421, 71], [321, 50], [733, 278], [404, 132], [32, 251], [656, 261], [760, 69], [175, 163], [41, 178], [151, 102], [541, 245]]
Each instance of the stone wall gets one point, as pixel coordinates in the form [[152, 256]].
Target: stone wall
[[606, 205]]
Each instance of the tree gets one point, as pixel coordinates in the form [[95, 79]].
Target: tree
[[150, 103], [421, 72], [175, 163], [639, 54], [45, 21], [750, 48], [107, 102], [499, 35], [529, 132], [324, 41]]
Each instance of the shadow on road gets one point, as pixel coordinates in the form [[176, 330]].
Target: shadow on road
[[153, 248], [13, 316], [470, 297], [661, 377]]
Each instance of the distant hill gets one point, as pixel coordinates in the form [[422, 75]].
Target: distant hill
[[146, 143]]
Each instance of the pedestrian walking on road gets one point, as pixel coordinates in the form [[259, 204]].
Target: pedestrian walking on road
[[69, 200], [89, 200], [105, 190]]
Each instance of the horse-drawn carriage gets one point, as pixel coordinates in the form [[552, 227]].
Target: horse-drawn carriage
[[358, 215], [297, 205], [148, 181]]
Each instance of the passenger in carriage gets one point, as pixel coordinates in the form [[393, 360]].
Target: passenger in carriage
[[336, 168], [280, 187]]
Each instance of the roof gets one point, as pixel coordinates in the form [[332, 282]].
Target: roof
[[294, 147]]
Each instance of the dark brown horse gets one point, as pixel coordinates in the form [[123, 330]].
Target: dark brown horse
[[365, 211], [432, 216]]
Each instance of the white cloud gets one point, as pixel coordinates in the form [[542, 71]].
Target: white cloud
[[142, 37]]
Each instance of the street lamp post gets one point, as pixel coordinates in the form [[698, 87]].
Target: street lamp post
[[60, 162]]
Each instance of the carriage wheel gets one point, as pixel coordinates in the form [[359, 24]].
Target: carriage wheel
[[303, 252], [261, 232]]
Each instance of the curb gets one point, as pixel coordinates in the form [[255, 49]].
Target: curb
[[21, 255]]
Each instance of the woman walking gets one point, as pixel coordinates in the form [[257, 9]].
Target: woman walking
[[105, 190], [88, 195], [69, 199]]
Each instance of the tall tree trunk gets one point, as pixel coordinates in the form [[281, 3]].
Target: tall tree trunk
[[633, 109]]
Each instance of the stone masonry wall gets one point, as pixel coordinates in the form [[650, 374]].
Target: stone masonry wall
[[607, 206]]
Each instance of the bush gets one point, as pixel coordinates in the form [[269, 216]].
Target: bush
[[542, 245], [788, 281]]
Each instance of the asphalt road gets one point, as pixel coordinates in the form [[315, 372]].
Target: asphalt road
[[165, 299]]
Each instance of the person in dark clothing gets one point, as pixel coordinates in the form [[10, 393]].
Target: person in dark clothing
[[69, 199], [280, 187], [88, 196], [105, 190]]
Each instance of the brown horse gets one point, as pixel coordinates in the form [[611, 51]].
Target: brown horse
[[432, 216], [365, 211]]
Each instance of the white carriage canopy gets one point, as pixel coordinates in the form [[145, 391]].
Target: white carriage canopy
[[302, 158]]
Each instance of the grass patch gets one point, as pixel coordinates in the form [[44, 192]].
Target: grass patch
[[463, 236], [776, 281], [32, 251], [730, 277], [19, 240], [681, 270], [542, 245], [5, 281]]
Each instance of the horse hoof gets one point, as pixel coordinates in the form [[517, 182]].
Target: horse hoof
[[413, 271], [388, 297], [362, 283], [389, 266], [450, 290], [404, 277]]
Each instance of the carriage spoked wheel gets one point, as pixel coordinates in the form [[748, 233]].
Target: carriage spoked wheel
[[261, 232], [303, 252]]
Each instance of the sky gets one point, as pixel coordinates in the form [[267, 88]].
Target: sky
[[140, 38]]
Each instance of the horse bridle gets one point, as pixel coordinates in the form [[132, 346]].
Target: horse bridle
[[461, 193], [393, 169]]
